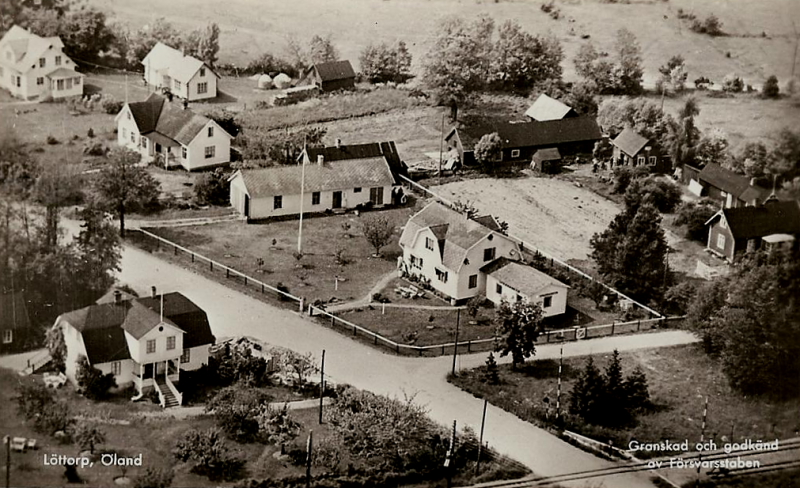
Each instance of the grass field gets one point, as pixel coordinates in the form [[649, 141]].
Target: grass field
[[679, 380], [250, 27], [240, 246]]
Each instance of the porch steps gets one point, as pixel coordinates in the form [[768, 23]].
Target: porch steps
[[169, 398]]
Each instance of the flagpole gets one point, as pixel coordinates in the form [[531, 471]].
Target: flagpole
[[302, 197]]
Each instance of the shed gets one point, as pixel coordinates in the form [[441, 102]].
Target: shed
[[546, 160]]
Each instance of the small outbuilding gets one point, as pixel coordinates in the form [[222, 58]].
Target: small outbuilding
[[511, 281], [546, 160], [331, 76]]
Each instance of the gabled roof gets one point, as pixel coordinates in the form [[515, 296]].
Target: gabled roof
[[27, 48], [546, 108], [360, 151], [13, 312], [175, 64], [534, 134], [773, 217], [340, 175], [630, 142], [103, 326], [522, 278], [456, 233], [334, 70], [63, 73], [733, 183], [547, 154], [156, 114]]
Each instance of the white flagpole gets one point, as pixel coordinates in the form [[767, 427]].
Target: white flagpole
[[302, 197], [162, 307]]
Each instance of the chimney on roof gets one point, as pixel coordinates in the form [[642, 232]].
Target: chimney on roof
[[338, 143], [117, 297], [153, 291], [321, 159]]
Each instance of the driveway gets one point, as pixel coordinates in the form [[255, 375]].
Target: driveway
[[347, 361]]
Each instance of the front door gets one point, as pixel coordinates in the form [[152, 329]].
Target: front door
[[376, 196], [337, 199], [247, 205]]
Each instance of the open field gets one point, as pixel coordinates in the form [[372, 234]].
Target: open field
[[679, 380], [250, 27], [240, 246]]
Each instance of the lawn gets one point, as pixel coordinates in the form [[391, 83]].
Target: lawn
[[679, 379], [242, 246], [153, 437]]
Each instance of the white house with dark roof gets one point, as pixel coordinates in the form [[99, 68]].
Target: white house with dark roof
[[546, 108], [512, 281], [175, 136], [35, 68], [453, 251], [146, 342], [185, 76], [326, 186]]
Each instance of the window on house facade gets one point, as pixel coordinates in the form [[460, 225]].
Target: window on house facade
[[177, 84], [548, 302], [184, 152], [519, 298], [489, 253], [277, 202], [376, 196], [129, 115], [77, 80], [185, 356], [720, 241], [151, 346], [144, 142], [19, 81], [210, 132], [69, 83], [498, 289], [40, 81], [515, 153], [42, 62], [170, 343], [116, 368], [58, 60], [723, 223], [651, 160], [59, 84], [473, 281], [416, 262], [202, 88], [441, 275], [315, 197], [640, 160], [8, 336], [202, 71], [429, 244], [133, 137], [210, 150], [357, 189]]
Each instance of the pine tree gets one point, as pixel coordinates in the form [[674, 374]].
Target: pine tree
[[492, 377], [613, 399], [587, 393], [636, 391]]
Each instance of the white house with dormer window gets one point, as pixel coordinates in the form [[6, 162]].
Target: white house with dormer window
[[36, 68], [172, 135], [453, 251], [185, 76], [146, 342]]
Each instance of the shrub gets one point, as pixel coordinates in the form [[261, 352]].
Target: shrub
[[94, 383], [285, 289], [237, 411], [663, 195], [90, 133], [771, 88], [210, 454], [732, 83], [94, 148], [111, 105], [212, 188], [154, 478], [52, 140], [88, 436]]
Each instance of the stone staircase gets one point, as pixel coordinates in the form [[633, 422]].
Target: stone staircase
[[169, 397]]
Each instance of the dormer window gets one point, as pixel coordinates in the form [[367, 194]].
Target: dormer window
[[489, 254], [429, 244]]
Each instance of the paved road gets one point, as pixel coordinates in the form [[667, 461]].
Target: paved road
[[347, 361]]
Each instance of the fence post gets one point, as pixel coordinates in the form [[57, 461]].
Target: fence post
[[301, 299], [332, 323], [175, 250], [192, 257], [245, 283], [613, 323], [355, 331], [262, 288], [469, 345], [227, 272], [211, 265], [638, 324], [397, 348]]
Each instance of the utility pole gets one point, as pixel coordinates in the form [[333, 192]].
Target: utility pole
[[796, 42], [558, 394], [480, 441], [441, 144], [309, 448], [702, 437], [448, 462], [455, 345], [321, 385], [7, 442]]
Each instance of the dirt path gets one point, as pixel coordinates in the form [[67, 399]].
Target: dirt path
[[557, 216]]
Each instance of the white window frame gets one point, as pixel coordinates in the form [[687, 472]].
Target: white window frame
[[151, 350], [211, 131], [210, 152], [184, 152], [42, 62], [441, 275], [186, 356], [721, 241], [277, 202], [58, 60], [429, 244], [8, 336], [39, 80], [547, 301], [202, 88], [316, 197], [515, 153], [472, 278], [116, 368], [171, 341], [652, 160], [640, 160]]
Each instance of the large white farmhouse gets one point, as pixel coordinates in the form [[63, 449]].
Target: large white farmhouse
[[146, 342], [174, 136], [185, 76], [36, 68]]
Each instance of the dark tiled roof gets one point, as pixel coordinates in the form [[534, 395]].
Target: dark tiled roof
[[156, 114], [146, 113], [535, 134], [340, 175], [105, 345], [109, 296], [733, 183], [335, 70], [141, 319], [186, 315], [630, 142], [13, 312], [360, 151], [774, 217]]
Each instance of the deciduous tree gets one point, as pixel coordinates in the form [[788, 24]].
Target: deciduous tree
[[488, 151], [322, 50], [277, 426], [381, 63], [378, 231], [88, 436], [521, 60], [518, 327], [94, 383]]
